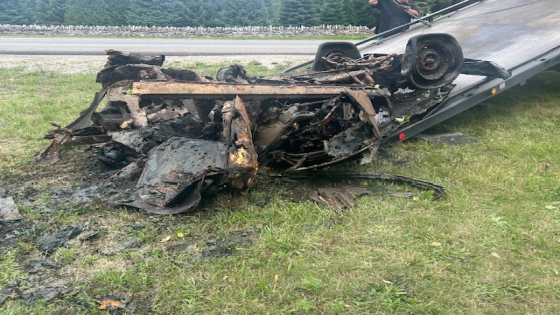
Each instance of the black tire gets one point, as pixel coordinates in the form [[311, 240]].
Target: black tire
[[432, 60], [334, 50]]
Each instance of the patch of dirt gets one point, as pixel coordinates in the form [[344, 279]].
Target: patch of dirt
[[11, 233], [76, 274], [223, 247]]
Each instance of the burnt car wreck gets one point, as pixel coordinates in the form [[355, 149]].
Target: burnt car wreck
[[186, 134]]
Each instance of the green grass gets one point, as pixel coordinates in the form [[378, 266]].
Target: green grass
[[28, 105], [490, 247]]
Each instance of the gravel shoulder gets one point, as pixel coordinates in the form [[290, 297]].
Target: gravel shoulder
[[69, 64]]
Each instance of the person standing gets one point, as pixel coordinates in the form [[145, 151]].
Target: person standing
[[393, 15]]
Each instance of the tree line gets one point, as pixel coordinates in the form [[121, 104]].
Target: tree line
[[194, 13]]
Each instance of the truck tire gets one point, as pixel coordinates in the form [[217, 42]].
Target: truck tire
[[334, 50], [432, 60]]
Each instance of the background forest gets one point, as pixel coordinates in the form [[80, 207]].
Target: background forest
[[194, 13]]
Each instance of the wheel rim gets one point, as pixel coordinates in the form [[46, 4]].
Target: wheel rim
[[432, 61]]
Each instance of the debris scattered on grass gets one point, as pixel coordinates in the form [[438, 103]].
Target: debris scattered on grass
[[116, 303], [9, 292], [39, 287], [9, 211], [50, 243], [336, 198], [85, 196], [447, 138], [40, 264]]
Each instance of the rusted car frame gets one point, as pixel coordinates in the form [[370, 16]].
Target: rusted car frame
[[190, 134]]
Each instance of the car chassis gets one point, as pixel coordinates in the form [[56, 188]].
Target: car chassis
[[188, 134]]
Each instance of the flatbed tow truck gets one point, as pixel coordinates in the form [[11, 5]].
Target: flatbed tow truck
[[520, 35], [188, 134]]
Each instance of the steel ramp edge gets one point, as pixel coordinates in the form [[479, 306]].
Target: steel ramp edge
[[459, 103]]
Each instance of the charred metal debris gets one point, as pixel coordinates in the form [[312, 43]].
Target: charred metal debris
[[187, 134]]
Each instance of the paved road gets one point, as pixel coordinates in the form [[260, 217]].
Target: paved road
[[170, 47]]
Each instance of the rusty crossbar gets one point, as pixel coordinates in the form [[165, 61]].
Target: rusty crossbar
[[228, 90]]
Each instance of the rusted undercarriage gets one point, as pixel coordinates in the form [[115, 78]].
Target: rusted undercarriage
[[191, 134]]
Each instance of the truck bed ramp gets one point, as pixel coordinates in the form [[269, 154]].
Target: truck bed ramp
[[520, 35]]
